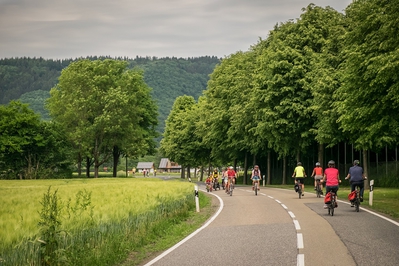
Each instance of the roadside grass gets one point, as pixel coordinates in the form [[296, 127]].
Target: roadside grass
[[385, 200], [174, 233], [108, 216]]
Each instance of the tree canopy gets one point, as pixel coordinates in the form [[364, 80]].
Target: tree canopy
[[102, 105]]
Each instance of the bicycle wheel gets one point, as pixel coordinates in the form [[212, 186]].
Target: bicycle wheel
[[231, 189], [357, 204], [256, 189], [319, 190]]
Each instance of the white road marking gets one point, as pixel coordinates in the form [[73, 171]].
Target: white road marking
[[285, 207], [297, 226], [299, 237], [300, 260], [291, 214], [278, 201]]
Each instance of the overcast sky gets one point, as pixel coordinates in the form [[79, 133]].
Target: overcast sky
[[61, 29]]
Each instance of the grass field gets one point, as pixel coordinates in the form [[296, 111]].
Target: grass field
[[107, 210]]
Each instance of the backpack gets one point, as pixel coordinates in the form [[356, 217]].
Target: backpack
[[352, 196], [327, 198]]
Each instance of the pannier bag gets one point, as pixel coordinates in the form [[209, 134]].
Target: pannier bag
[[352, 196], [327, 198]]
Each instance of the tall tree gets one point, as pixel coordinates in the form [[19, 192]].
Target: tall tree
[[368, 100], [101, 105], [180, 142]]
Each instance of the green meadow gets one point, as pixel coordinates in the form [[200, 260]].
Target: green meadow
[[87, 221]]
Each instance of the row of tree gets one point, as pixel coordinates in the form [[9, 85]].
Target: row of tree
[[100, 110], [325, 78]]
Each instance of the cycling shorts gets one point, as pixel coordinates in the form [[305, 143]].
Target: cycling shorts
[[300, 179], [318, 177]]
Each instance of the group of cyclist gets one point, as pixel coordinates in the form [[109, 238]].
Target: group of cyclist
[[331, 177], [229, 177]]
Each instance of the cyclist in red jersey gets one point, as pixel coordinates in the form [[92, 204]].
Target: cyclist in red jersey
[[318, 175], [331, 177], [231, 175]]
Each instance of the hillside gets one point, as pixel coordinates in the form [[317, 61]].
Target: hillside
[[30, 79]]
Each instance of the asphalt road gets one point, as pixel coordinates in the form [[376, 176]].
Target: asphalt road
[[277, 228]]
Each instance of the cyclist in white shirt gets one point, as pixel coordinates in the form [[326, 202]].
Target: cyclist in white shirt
[[255, 176]]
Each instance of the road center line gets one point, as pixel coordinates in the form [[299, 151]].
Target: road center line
[[299, 238], [297, 226]]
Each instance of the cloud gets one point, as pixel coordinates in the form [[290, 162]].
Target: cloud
[[182, 28]]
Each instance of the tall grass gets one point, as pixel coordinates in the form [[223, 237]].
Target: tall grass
[[101, 220]]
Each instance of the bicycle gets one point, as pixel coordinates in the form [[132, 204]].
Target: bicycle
[[319, 191], [299, 188], [256, 184], [231, 187], [356, 202], [333, 203]]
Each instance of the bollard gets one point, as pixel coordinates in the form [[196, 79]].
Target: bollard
[[264, 181], [196, 198], [371, 192]]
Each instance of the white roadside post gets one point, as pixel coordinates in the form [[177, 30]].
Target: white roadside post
[[264, 181], [196, 198], [371, 192]]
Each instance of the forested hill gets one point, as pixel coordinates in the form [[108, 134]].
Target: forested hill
[[30, 79]]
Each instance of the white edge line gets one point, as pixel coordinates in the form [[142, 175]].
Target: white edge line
[[299, 240], [191, 235], [374, 213], [278, 201], [291, 214], [285, 207], [300, 260]]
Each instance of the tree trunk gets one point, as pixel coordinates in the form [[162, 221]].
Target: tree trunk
[[182, 173], [202, 174], [268, 168], [320, 154], [79, 164], [245, 168], [96, 167], [298, 156], [87, 166], [188, 172], [115, 154], [365, 169], [285, 170]]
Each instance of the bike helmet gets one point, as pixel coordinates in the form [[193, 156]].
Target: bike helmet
[[331, 162], [317, 164], [356, 162], [299, 163], [231, 167], [256, 166]]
